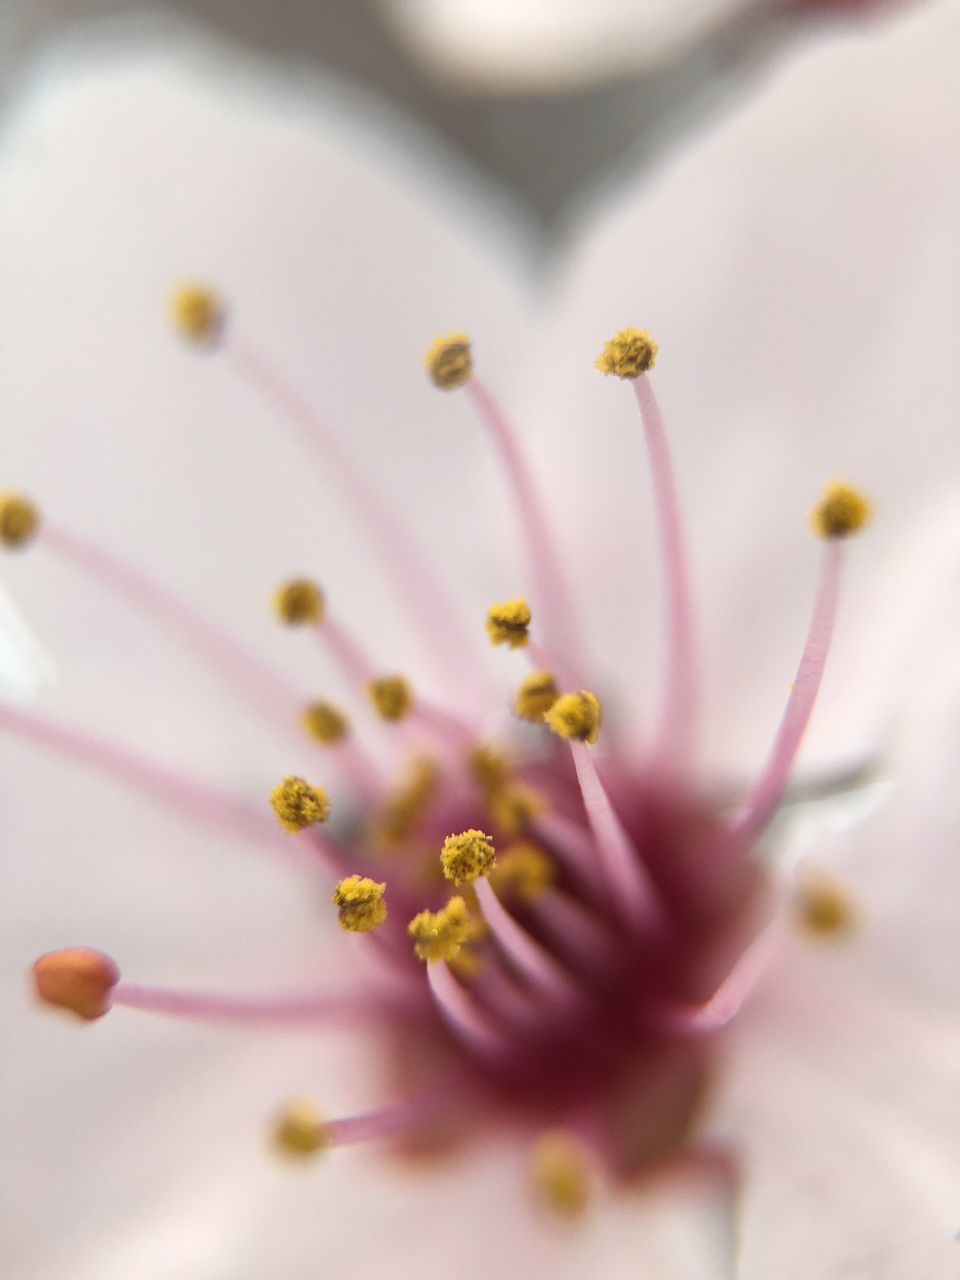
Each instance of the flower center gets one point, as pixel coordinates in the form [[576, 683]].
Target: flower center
[[558, 935]]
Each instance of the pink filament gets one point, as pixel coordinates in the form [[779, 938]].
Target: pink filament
[[358, 670], [246, 675], [162, 785], [678, 723], [769, 789], [527, 956], [554, 600], [304, 1007], [619, 861], [382, 1122], [410, 574], [461, 1014]]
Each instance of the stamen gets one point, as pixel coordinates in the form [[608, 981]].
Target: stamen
[[360, 904], [536, 695], [391, 696], [467, 856], [630, 353], [298, 601], [157, 782], [199, 636], [514, 807], [439, 935], [560, 1174], [196, 313], [300, 1130], [325, 723], [576, 716], [823, 906], [383, 1121], [768, 792], [449, 361], [77, 979], [306, 1006], [509, 623], [524, 952], [523, 871], [841, 511], [400, 813], [554, 600], [409, 573], [19, 519], [299, 805], [678, 717], [461, 1014], [632, 893]]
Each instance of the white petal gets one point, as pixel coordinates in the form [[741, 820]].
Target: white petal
[[343, 243], [796, 265], [496, 45]]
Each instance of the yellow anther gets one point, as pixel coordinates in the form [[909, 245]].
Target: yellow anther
[[196, 313], [77, 979], [300, 1130], [439, 935], [823, 906], [391, 696], [490, 767], [576, 715], [449, 361], [325, 723], [467, 856], [628, 354], [560, 1173], [467, 963], [298, 805], [513, 808], [402, 810], [841, 511], [298, 601], [523, 871], [536, 695], [18, 520], [509, 623], [361, 904]]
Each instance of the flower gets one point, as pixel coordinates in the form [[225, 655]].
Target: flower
[[163, 1107]]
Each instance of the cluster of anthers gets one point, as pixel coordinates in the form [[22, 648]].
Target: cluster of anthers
[[568, 956]]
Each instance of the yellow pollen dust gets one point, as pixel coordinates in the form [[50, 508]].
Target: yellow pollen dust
[[449, 361], [196, 313], [559, 1174], [391, 696], [628, 354], [439, 935], [300, 1130], [823, 906], [523, 872], [325, 723], [360, 903], [298, 601], [509, 623], [467, 856], [19, 519], [77, 979], [536, 695], [299, 805], [576, 715], [841, 511]]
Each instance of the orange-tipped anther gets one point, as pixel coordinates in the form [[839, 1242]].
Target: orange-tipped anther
[[78, 979]]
